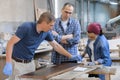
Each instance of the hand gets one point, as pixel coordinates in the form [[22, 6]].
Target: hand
[[91, 63], [64, 42], [54, 33], [69, 36], [8, 69], [76, 57]]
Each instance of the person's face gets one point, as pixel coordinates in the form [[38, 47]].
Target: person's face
[[67, 12], [91, 36], [48, 26]]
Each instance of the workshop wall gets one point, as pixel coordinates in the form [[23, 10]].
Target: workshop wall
[[14, 12]]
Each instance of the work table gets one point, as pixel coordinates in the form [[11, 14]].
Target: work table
[[49, 72]]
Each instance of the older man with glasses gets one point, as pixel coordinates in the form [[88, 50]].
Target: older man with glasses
[[67, 33]]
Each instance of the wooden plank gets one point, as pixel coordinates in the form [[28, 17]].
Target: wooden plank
[[70, 75], [45, 73], [48, 72], [104, 70], [107, 71]]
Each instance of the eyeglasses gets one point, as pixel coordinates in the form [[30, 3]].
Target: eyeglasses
[[68, 12]]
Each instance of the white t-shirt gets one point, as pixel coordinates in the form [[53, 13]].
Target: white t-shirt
[[64, 24], [92, 49]]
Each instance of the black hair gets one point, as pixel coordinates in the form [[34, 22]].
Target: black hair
[[101, 32]]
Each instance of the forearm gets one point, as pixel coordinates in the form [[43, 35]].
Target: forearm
[[62, 38], [76, 34], [74, 40], [9, 49], [60, 49], [65, 37]]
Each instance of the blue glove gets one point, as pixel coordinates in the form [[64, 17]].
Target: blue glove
[[7, 69], [76, 57], [91, 64], [100, 61]]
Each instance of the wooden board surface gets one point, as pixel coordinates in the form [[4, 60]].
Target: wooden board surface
[[97, 69], [104, 70], [45, 73], [70, 75], [48, 72]]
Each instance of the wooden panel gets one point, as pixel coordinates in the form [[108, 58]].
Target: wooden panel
[[108, 71], [104, 70], [70, 75], [48, 72]]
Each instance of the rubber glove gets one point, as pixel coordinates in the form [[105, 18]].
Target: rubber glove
[[76, 57], [100, 61], [91, 63], [7, 70]]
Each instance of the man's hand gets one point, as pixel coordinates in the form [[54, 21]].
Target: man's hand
[[65, 37], [54, 33], [91, 63], [64, 42], [7, 69], [69, 36], [76, 57]]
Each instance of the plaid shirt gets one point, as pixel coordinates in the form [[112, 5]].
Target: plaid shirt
[[73, 27]]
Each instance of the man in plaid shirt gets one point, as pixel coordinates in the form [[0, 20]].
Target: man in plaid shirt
[[67, 33]]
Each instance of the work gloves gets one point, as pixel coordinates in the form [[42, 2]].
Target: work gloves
[[76, 57], [91, 63], [7, 69]]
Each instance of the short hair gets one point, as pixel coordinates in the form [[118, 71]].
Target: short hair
[[69, 4], [46, 16], [95, 28]]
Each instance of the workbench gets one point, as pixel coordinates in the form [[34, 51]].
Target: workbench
[[62, 71]]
